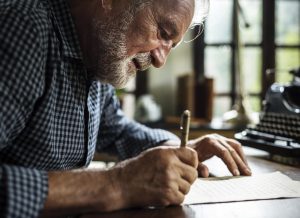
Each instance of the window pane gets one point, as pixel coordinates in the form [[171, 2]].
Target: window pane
[[251, 68], [217, 66], [287, 22], [253, 13], [221, 105], [286, 59], [128, 105], [218, 23]]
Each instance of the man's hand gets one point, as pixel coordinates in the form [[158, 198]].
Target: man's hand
[[157, 177], [229, 150], [160, 176]]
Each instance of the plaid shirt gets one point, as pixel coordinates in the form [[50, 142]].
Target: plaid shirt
[[51, 116]]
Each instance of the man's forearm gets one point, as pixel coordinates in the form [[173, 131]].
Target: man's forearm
[[79, 191], [160, 176]]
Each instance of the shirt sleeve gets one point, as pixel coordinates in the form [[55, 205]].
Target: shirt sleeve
[[22, 190], [123, 136]]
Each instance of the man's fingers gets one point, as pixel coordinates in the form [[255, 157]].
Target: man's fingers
[[188, 172], [203, 170], [177, 198], [237, 153], [238, 147], [184, 186], [171, 196], [243, 168], [225, 155], [188, 156]]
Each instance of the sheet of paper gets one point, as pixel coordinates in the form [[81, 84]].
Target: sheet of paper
[[227, 189]]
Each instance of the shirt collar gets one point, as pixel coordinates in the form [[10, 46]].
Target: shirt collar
[[66, 28]]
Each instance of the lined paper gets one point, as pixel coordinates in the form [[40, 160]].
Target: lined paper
[[228, 189]]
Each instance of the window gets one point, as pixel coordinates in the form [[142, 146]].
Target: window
[[271, 41], [287, 38]]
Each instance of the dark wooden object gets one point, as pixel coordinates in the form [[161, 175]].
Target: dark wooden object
[[268, 44]]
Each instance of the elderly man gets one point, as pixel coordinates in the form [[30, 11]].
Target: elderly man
[[59, 62]]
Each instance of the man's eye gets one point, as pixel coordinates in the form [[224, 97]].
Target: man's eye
[[164, 34]]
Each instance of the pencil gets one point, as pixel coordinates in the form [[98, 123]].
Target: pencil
[[185, 127]]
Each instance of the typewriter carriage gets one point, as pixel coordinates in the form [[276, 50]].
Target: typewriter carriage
[[284, 98]]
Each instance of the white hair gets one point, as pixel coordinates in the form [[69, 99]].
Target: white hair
[[200, 12]]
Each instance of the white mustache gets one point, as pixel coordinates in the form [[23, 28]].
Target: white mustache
[[143, 60]]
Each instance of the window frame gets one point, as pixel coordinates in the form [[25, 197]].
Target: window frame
[[267, 46]]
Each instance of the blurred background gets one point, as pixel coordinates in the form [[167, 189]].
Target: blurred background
[[202, 76]]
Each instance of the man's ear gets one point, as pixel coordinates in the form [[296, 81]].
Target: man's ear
[[107, 5]]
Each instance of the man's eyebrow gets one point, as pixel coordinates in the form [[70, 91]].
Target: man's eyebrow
[[170, 27]]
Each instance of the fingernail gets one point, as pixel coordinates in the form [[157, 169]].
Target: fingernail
[[236, 172], [248, 171]]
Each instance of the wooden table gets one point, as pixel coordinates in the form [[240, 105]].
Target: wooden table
[[259, 163]]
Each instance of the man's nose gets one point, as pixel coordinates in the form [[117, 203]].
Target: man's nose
[[160, 54]]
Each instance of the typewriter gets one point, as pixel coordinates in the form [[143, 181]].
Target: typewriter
[[278, 130]]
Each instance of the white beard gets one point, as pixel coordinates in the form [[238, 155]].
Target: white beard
[[113, 66]]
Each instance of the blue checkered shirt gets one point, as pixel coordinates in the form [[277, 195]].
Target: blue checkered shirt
[[52, 117]]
